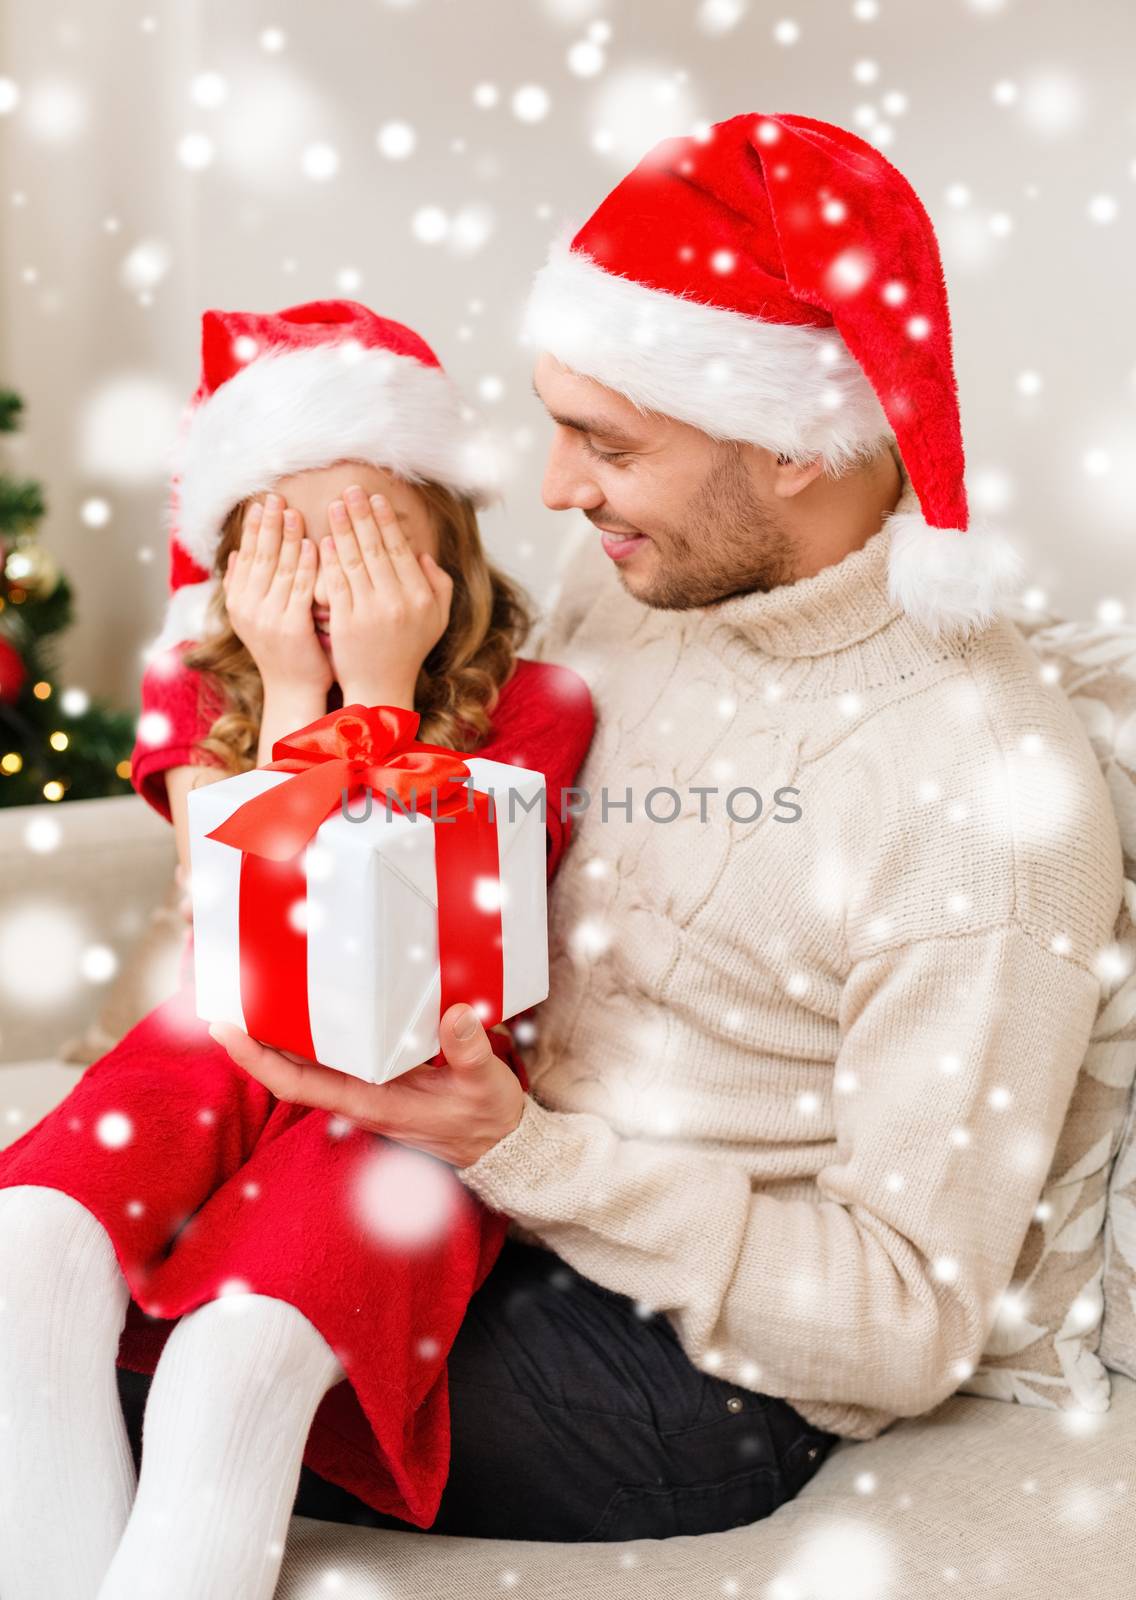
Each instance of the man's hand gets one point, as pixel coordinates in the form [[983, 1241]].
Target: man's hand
[[456, 1110]]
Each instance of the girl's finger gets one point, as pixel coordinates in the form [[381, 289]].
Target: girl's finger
[[303, 580], [401, 556], [241, 559], [437, 577], [269, 534], [366, 532], [293, 539], [441, 588], [348, 553], [338, 588], [250, 523]]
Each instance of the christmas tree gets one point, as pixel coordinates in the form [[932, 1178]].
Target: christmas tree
[[54, 744]]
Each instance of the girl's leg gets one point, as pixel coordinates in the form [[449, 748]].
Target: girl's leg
[[66, 1471], [226, 1422]]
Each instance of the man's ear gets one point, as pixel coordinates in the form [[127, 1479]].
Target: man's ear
[[790, 478], [776, 474]]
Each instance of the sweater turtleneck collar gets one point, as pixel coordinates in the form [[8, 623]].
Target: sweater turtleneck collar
[[837, 607]]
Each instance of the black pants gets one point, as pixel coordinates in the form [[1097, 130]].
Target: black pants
[[574, 1417]]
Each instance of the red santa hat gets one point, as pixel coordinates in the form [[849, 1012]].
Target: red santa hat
[[284, 391], [776, 280]]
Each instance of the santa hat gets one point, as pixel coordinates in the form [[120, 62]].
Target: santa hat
[[284, 391], [776, 280]]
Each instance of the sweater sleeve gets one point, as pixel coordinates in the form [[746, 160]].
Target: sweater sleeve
[[176, 711], [545, 721], [957, 1061]]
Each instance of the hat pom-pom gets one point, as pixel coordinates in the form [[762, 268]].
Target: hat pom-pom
[[950, 580]]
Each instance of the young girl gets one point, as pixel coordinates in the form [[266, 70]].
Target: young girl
[[326, 552]]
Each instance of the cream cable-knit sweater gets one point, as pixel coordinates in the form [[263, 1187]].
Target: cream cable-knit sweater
[[797, 1084]]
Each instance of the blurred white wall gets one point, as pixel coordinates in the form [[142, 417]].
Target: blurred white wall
[[158, 158]]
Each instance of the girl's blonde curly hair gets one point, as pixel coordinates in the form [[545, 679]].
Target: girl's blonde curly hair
[[459, 681]]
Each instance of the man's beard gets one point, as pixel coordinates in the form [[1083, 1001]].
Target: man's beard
[[729, 543]]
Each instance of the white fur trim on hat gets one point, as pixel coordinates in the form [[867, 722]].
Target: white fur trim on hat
[[290, 410], [947, 579], [185, 616], [793, 390]]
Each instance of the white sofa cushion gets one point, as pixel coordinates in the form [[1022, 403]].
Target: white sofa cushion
[[969, 1499]]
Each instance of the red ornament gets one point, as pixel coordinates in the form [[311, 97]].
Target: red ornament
[[12, 672]]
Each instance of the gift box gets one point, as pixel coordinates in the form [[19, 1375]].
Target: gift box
[[350, 891]]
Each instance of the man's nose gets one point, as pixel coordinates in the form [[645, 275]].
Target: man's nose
[[567, 484]]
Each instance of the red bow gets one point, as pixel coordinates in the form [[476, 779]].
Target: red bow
[[357, 747]]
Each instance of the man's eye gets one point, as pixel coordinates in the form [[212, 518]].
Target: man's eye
[[603, 455]]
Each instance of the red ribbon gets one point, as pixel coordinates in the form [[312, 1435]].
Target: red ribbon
[[355, 748]]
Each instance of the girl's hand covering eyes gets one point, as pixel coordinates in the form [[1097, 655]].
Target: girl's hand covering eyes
[[389, 607], [268, 587]]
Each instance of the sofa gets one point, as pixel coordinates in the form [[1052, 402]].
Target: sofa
[[984, 1495]]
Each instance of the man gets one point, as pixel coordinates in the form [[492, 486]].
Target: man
[[823, 948]]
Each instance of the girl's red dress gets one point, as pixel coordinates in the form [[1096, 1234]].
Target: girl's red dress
[[207, 1184]]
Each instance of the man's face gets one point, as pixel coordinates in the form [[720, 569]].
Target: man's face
[[707, 521]]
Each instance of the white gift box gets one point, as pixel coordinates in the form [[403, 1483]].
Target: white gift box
[[371, 917]]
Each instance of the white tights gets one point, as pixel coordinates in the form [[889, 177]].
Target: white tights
[[227, 1418]]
